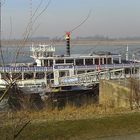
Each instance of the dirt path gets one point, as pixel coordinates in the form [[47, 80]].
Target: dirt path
[[135, 136]]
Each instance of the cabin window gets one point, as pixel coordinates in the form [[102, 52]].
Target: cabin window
[[51, 62], [50, 78], [79, 62], [80, 72], [101, 62], [40, 75], [28, 75], [59, 61], [63, 73], [69, 61], [5, 76], [104, 60], [46, 63], [90, 70], [97, 61], [115, 61], [88, 61], [109, 61], [127, 70], [17, 76], [50, 75]]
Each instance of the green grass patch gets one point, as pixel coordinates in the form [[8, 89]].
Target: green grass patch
[[77, 129]]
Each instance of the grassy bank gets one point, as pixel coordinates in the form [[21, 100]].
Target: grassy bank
[[87, 122], [78, 129]]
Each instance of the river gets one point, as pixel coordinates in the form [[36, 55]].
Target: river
[[24, 52]]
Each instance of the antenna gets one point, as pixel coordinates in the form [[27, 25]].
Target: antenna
[[127, 53]]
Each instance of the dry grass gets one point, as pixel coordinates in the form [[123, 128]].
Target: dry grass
[[68, 113], [78, 128], [67, 123]]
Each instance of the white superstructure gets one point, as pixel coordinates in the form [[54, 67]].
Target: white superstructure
[[48, 68]]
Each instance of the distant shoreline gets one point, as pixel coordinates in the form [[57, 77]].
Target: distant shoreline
[[73, 42]]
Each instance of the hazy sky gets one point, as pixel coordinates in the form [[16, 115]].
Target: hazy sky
[[113, 18]]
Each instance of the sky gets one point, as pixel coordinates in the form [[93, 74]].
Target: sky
[[112, 18]]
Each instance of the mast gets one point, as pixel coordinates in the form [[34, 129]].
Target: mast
[[68, 43], [127, 55]]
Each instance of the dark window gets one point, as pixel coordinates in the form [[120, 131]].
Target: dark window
[[97, 61], [40, 75], [60, 61], [109, 61], [80, 72], [50, 75], [127, 70], [79, 62], [104, 60], [46, 63], [90, 70], [51, 62], [69, 61], [63, 73], [16, 76], [5, 76], [101, 62], [28, 75], [88, 61]]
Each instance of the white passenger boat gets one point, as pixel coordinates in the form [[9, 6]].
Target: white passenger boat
[[43, 75]]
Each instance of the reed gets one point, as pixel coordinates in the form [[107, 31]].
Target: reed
[[68, 113]]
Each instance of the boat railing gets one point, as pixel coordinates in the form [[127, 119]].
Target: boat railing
[[44, 69], [42, 48]]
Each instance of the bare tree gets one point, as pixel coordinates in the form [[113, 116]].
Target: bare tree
[[134, 93], [19, 124]]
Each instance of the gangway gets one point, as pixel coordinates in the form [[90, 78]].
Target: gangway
[[91, 78]]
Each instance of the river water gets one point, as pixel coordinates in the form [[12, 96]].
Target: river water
[[9, 53]]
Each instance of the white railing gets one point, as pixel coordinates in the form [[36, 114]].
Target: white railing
[[42, 48], [93, 77], [83, 67]]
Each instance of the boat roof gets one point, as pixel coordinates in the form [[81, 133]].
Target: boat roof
[[78, 56]]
